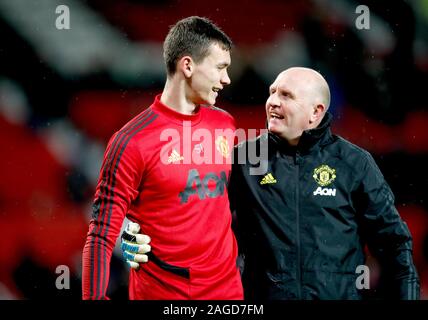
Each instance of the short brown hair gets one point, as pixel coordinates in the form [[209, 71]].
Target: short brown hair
[[192, 36]]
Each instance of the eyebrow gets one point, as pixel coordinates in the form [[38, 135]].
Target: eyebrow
[[282, 91], [288, 92], [223, 64]]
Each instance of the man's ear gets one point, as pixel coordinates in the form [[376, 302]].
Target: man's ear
[[317, 113], [186, 66]]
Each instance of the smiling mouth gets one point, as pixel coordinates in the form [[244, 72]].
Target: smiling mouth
[[276, 116], [216, 90]]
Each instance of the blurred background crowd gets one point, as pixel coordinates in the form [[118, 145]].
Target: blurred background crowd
[[63, 93]]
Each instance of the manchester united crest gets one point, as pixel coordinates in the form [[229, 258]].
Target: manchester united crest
[[324, 175], [222, 146]]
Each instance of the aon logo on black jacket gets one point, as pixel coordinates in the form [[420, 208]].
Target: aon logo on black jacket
[[325, 192]]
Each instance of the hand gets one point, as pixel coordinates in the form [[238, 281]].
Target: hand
[[134, 245]]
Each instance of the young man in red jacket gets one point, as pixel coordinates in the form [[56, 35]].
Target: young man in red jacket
[[173, 187]]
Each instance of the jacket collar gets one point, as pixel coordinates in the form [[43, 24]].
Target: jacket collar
[[309, 139]]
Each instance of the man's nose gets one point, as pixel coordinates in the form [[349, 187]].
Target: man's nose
[[225, 80], [273, 100]]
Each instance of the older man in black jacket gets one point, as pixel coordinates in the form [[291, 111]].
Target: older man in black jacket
[[303, 225]]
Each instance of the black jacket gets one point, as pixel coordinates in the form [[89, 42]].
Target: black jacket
[[303, 225]]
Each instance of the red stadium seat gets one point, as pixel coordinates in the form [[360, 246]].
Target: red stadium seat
[[100, 113]]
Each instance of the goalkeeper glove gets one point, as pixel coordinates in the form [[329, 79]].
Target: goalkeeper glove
[[134, 245]]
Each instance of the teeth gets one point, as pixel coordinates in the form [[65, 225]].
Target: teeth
[[275, 115]]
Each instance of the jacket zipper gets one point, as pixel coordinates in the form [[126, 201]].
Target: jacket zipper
[[299, 274]]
